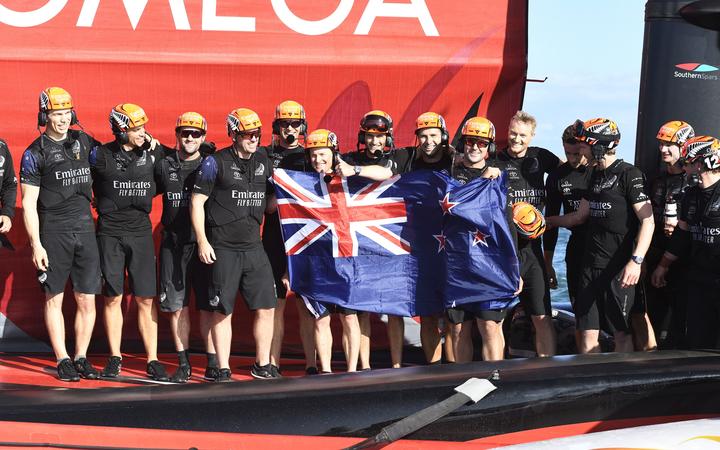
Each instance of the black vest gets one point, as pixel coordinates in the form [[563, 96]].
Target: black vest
[[239, 189], [124, 181], [176, 180], [66, 170], [609, 208], [703, 219]]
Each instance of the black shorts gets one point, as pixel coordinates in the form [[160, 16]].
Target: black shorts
[[74, 255], [332, 308], [573, 266], [180, 270], [458, 315], [249, 271], [275, 249], [601, 302], [703, 313], [535, 295], [134, 253]]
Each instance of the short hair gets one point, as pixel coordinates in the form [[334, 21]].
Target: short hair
[[568, 136], [522, 116]]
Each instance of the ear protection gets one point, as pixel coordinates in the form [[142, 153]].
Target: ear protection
[[42, 118], [120, 136]]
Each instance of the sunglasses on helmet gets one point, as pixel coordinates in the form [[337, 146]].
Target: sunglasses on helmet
[[196, 134], [376, 124]]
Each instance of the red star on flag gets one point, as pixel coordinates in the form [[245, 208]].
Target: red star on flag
[[479, 237], [441, 238], [447, 205]]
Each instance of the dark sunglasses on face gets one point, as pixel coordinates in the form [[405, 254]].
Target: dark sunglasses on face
[[196, 134], [472, 142], [290, 123], [250, 135]]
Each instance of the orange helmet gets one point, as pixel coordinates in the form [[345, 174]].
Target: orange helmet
[[127, 115], [54, 98], [430, 120], [528, 220], [289, 109], [191, 119], [703, 148], [241, 120], [598, 131], [376, 122], [322, 138], [675, 131], [479, 127]]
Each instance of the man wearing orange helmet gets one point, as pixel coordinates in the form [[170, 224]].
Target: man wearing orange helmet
[[526, 167], [180, 268], [477, 141], [666, 306], [696, 239], [322, 149], [285, 151], [124, 185], [620, 228], [56, 194], [230, 197]]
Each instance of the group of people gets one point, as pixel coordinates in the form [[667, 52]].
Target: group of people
[[215, 204]]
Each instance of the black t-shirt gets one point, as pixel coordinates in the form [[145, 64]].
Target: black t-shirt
[[237, 191], [406, 159], [286, 158], [61, 170], [8, 182], [175, 179], [526, 175], [665, 187], [700, 209], [565, 187], [613, 224], [124, 186], [361, 158]]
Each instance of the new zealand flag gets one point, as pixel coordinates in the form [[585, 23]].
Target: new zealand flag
[[410, 245]]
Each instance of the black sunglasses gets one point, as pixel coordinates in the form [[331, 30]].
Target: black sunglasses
[[290, 123], [196, 134]]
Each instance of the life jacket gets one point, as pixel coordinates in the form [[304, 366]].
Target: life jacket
[[124, 182]]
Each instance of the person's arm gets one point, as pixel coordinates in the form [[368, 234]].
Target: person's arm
[[204, 184], [8, 191], [31, 219], [552, 208], [631, 273], [679, 244], [372, 172], [572, 219]]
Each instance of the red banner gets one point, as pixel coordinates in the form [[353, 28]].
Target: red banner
[[339, 58]]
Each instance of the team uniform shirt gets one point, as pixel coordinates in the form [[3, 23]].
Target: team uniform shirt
[[8, 182], [701, 211], [613, 224], [281, 158], [361, 158], [175, 179], [407, 160], [61, 170], [565, 187], [237, 191], [666, 187], [124, 186], [526, 175]]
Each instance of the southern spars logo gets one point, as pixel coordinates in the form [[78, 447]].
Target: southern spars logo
[[698, 71]]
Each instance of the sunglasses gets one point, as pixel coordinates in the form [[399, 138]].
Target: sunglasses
[[376, 125], [250, 135], [472, 142], [196, 134], [290, 123]]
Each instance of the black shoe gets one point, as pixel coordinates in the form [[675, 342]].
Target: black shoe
[[262, 372], [211, 373], [311, 371], [85, 369], [112, 369], [156, 371], [182, 374], [275, 370], [223, 376], [66, 371]]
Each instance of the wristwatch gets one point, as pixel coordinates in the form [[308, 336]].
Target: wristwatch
[[357, 170], [637, 259]]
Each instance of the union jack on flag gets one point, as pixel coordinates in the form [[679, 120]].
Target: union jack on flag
[[349, 216]]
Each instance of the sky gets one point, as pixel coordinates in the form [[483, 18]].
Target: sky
[[591, 53]]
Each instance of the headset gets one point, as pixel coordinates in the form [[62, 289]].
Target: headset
[[601, 147], [42, 118]]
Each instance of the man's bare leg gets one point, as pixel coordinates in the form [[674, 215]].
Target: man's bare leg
[[84, 322], [351, 336], [323, 343], [545, 341], [396, 336], [278, 333], [493, 340], [263, 332], [430, 339], [365, 332]]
